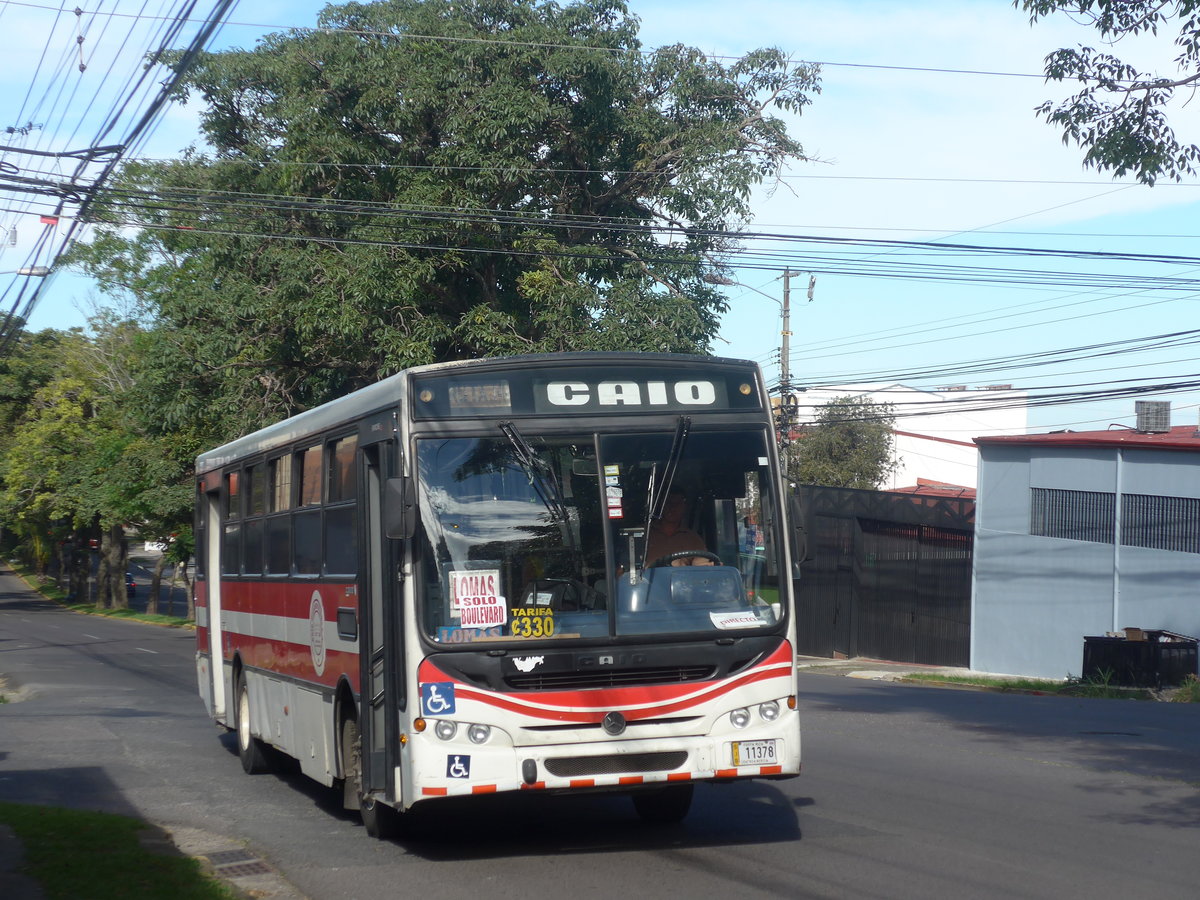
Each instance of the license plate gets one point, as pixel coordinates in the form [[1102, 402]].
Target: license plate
[[754, 753]]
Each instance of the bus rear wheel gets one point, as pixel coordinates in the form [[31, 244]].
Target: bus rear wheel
[[379, 819], [664, 806], [251, 751]]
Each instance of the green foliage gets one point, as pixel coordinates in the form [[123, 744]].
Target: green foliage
[[425, 180], [1188, 692], [77, 853], [849, 445], [1119, 115]]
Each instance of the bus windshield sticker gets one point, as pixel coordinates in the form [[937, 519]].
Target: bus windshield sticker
[[437, 698], [475, 599], [727, 620], [449, 634], [614, 495], [533, 622], [458, 766]]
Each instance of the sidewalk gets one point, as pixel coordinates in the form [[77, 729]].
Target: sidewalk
[[872, 669]]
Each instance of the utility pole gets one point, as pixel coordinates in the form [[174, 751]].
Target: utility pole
[[787, 401]]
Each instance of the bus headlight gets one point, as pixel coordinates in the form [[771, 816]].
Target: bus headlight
[[445, 729], [479, 733], [769, 710], [740, 718]]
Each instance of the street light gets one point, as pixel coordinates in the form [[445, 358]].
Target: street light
[[31, 271]]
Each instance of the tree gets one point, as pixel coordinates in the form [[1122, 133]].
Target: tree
[[1119, 115], [849, 445], [425, 180]]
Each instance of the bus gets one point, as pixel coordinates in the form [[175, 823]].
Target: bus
[[554, 573]]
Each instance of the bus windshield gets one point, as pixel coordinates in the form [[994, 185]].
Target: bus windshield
[[531, 537]]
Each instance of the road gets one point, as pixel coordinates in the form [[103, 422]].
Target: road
[[907, 792]]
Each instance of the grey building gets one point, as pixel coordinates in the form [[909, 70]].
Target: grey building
[[1083, 533]]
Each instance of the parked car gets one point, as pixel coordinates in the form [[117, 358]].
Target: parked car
[[130, 584]]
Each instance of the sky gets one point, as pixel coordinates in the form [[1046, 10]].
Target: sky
[[923, 131]]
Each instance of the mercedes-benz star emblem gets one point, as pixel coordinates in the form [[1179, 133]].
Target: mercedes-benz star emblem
[[614, 723]]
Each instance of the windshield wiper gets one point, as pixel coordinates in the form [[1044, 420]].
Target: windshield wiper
[[657, 495], [540, 474]]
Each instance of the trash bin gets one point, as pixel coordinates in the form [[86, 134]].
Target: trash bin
[[1140, 658]]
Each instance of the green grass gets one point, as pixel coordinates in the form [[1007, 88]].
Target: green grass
[[1069, 688], [1188, 692], [51, 591], [74, 853]]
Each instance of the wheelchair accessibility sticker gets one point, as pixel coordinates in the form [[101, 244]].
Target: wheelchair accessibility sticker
[[458, 767], [437, 698]]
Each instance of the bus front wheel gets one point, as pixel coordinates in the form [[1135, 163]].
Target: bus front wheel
[[664, 806], [251, 751], [379, 819]]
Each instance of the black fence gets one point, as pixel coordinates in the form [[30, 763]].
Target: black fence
[[888, 576]]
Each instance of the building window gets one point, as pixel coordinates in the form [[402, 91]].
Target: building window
[[1160, 523], [1073, 515]]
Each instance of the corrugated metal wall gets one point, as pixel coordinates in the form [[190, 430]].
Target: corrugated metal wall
[[889, 576]]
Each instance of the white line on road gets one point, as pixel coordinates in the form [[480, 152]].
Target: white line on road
[[144, 650], [92, 636]]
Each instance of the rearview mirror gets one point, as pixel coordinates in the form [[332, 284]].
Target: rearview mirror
[[399, 508]]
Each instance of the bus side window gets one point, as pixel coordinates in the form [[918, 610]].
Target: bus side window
[[231, 538], [341, 545], [306, 521]]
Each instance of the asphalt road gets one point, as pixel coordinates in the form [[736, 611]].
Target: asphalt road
[[907, 792]]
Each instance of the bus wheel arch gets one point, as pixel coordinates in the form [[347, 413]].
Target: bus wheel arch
[[254, 753], [345, 713]]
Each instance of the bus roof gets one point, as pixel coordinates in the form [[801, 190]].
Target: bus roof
[[390, 391]]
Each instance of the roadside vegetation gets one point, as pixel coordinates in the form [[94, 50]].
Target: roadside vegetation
[[1101, 688], [49, 589], [76, 853]]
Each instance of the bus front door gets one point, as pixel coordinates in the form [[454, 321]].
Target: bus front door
[[379, 643]]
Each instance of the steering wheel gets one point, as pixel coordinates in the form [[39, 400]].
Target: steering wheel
[[686, 554]]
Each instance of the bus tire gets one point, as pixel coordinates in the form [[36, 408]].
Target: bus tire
[[251, 751], [378, 819], [664, 806]]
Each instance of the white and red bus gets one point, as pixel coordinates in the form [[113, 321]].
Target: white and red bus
[[447, 584]]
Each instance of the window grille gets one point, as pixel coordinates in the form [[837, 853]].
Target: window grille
[[1073, 515], [1161, 523]]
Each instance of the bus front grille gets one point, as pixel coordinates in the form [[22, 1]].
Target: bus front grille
[[616, 763], [598, 678]]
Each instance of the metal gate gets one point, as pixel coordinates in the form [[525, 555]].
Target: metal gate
[[888, 576]]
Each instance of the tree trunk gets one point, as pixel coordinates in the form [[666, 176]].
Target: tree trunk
[[190, 584], [110, 580], [156, 585], [78, 565]]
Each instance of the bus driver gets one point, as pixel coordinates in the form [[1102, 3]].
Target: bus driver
[[668, 536]]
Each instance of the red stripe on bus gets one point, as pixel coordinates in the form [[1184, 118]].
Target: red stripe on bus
[[679, 776], [771, 770], [591, 705], [434, 792], [286, 599], [583, 782], [705, 692], [726, 773], [483, 789], [536, 786], [631, 779]]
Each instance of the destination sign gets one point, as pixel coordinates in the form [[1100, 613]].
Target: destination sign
[[576, 390]]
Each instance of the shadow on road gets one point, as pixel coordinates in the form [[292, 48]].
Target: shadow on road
[[500, 826]]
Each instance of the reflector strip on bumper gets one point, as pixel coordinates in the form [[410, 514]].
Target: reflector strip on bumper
[[459, 790]]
